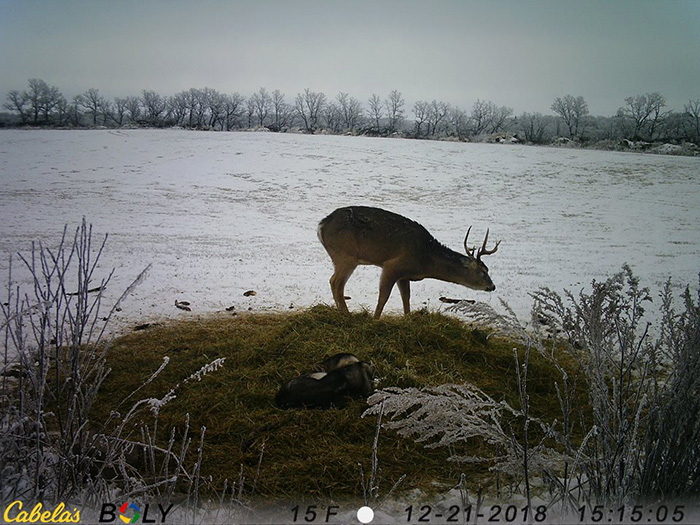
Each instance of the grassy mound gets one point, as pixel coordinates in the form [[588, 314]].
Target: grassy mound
[[313, 454]]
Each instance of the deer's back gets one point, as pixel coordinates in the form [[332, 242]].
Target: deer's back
[[373, 235]]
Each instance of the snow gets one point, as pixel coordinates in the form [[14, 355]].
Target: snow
[[218, 214]]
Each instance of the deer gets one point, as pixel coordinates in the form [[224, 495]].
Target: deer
[[403, 248]]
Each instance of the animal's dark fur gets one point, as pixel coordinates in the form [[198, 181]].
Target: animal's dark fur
[[346, 377]]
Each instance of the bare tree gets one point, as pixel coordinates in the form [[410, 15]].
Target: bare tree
[[18, 102], [184, 106], [35, 96], [500, 117], [482, 113], [331, 113], [261, 102], [154, 106], [308, 106], [196, 107], [37, 103], [280, 110], [533, 127], [92, 102], [233, 110], [644, 111], [178, 107], [343, 104], [250, 112], [437, 111], [74, 116], [394, 110], [675, 126], [106, 111], [420, 110], [214, 106], [51, 98], [459, 121], [350, 111], [62, 111], [573, 111], [692, 111], [375, 111], [119, 113], [133, 108]]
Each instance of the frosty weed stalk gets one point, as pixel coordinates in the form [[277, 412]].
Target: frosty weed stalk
[[54, 364]]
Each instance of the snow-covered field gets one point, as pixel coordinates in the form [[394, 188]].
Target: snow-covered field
[[218, 214]]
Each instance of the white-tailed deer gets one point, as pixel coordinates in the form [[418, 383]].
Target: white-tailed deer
[[404, 250]]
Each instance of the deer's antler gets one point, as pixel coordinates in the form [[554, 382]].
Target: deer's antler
[[470, 251], [483, 250]]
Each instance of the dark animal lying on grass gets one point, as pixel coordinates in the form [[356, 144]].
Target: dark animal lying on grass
[[343, 377]]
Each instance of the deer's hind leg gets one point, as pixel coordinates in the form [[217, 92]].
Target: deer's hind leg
[[343, 271]]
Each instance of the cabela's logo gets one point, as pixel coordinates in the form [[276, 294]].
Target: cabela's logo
[[14, 513]]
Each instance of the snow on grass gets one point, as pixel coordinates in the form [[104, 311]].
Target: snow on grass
[[218, 214]]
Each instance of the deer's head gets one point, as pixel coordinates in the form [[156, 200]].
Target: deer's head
[[477, 275]]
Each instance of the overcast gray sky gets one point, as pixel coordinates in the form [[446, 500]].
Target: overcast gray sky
[[520, 54]]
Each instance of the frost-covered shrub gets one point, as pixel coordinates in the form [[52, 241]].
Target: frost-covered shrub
[[54, 350], [637, 438], [52, 346], [446, 415], [606, 331], [671, 463], [643, 389]]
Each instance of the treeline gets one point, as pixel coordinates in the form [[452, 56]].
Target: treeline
[[642, 119]]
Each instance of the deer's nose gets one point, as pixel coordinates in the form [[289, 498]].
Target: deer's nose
[[491, 288]]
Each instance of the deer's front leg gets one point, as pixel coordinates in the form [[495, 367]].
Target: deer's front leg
[[405, 290], [386, 283]]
